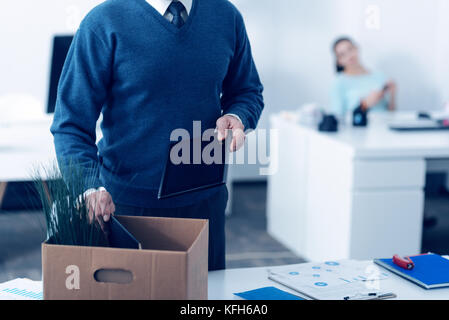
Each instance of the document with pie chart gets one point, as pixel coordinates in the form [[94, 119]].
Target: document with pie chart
[[331, 280]]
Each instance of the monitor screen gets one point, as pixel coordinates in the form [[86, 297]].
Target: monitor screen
[[61, 46]]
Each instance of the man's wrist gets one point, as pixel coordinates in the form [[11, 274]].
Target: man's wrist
[[235, 116], [88, 192]]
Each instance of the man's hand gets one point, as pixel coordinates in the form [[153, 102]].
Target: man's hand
[[226, 123], [100, 206]]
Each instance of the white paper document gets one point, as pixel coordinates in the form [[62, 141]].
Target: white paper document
[[333, 280], [21, 289]]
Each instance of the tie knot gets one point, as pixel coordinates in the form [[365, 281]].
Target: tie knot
[[176, 8]]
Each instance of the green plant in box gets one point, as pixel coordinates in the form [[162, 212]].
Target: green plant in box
[[65, 208]]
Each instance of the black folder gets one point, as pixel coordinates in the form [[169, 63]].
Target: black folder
[[120, 237], [198, 173]]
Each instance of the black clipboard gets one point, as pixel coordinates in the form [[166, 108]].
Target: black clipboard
[[198, 173]]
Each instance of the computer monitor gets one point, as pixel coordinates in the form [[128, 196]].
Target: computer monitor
[[61, 46]]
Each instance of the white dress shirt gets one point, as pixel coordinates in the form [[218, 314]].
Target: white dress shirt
[[161, 6]]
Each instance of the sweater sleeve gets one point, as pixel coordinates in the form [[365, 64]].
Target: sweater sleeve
[[82, 91], [242, 89]]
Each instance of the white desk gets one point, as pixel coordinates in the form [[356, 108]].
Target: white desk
[[223, 285], [356, 194], [24, 147]]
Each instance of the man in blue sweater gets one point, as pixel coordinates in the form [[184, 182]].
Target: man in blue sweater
[[150, 67]]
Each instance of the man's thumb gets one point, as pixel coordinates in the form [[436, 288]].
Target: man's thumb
[[222, 126]]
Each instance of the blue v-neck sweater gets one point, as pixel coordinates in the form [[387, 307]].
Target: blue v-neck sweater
[[148, 78]]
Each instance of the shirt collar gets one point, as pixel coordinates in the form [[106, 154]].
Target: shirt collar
[[161, 6]]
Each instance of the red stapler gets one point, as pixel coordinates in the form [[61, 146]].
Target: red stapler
[[405, 263]]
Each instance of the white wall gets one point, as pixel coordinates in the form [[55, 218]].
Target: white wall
[[407, 40], [26, 31], [410, 43], [293, 38], [291, 43], [442, 60], [404, 45]]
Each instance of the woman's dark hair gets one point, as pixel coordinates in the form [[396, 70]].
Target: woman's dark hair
[[339, 67]]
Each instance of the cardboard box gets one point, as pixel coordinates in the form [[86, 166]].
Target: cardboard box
[[173, 264]]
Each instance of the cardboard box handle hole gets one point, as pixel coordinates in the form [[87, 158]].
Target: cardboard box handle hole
[[117, 276]]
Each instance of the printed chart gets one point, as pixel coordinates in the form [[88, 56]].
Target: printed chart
[[331, 279], [21, 289]]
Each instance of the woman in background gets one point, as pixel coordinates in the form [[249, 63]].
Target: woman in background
[[356, 86]]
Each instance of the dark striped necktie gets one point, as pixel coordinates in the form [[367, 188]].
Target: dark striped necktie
[[176, 8]]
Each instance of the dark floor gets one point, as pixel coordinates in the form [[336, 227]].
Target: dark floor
[[248, 244], [247, 241], [20, 236]]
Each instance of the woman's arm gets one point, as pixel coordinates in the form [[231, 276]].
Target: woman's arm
[[392, 90]]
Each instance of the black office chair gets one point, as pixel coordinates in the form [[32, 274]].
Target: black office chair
[[435, 186]]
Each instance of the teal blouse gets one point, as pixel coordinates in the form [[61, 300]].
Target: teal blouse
[[348, 91]]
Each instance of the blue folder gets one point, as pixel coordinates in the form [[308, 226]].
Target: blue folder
[[430, 271], [267, 293]]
